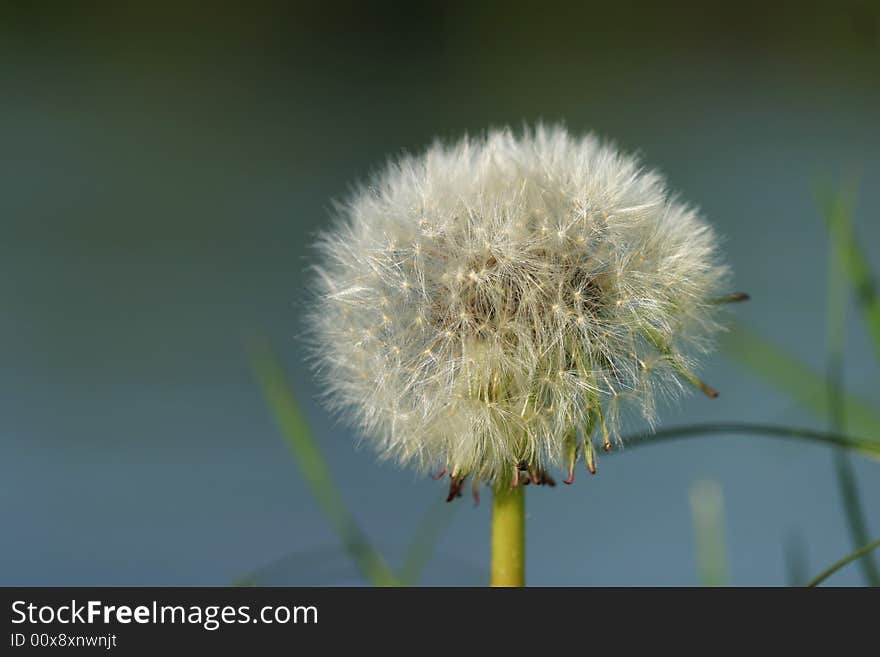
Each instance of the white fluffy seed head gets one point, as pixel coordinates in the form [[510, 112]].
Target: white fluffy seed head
[[489, 304]]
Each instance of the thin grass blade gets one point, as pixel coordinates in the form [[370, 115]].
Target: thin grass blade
[[838, 219], [707, 513], [298, 435], [837, 565], [827, 438], [799, 381], [795, 557], [427, 535]]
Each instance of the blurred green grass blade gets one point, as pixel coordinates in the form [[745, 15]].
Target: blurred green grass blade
[[323, 565], [427, 535], [707, 512], [828, 572], [855, 513], [838, 216], [795, 557], [800, 382], [312, 465], [827, 438], [331, 565], [836, 307]]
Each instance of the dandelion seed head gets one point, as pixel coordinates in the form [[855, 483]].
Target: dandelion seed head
[[489, 303]]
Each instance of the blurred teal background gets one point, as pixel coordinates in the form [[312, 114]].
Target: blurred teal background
[[164, 168]]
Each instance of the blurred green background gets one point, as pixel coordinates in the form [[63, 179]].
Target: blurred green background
[[165, 166]]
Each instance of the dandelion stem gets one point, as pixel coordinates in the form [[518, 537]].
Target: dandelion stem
[[508, 536]]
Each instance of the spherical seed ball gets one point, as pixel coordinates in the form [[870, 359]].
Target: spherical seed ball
[[487, 306]]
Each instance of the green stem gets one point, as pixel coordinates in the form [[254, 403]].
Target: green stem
[[869, 447], [825, 574], [508, 537]]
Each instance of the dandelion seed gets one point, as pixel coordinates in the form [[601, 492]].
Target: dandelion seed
[[554, 279]]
